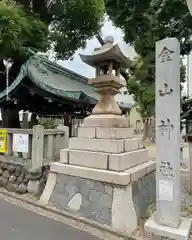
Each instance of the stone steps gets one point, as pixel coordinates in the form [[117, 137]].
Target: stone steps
[[106, 145], [105, 133], [102, 175], [101, 160]]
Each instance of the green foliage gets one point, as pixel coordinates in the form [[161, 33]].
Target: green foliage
[[141, 84], [28, 26], [75, 21], [67, 24], [17, 30], [144, 23]]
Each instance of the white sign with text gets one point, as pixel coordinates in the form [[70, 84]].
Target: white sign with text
[[21, 143]]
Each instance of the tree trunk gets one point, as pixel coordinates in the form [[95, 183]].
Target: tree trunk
[[149, 130], [152, 130], [10, 118], [145, 128]]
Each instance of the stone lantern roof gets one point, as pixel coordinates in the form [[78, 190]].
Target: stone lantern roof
[[107, 61], [108, 52]]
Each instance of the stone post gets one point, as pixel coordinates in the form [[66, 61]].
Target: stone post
[[168, 132], [9, 150], [167, 221], [37, 147], [66, 136]]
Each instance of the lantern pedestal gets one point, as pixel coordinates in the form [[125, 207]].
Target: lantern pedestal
[[106, 173], [106, 120]]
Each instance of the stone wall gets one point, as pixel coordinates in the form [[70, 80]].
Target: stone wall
[[88, 198], [16, 178], [94, 200]]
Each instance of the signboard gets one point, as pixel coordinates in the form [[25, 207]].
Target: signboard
[[165, 190], [3, 140], [21, 143]]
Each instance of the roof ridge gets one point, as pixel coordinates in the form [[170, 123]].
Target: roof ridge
[[63, 70]]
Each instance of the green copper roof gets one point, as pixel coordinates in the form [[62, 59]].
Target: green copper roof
[[54, 79], [58, 80]]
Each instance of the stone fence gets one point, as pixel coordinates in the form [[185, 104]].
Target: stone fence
[[43, 146]]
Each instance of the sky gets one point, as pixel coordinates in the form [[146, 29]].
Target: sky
[[78, 66], [108, 29]]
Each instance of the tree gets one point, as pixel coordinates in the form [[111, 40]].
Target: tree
[[61, 25], [17, 31], [72, 21], [141, 86], [144, 23]]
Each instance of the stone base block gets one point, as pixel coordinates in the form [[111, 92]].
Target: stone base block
[[88, 159], [64, 155], [181, 233], [106, 145], [119, 178], [102, 160], [97, 145], [124, 161], [105, 133], [133, 144], [106, 120], [106, 197], [112, 177]]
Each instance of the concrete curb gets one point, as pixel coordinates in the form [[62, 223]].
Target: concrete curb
[[106, 230]]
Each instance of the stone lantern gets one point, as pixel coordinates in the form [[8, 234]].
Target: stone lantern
[[107, 61], [106, 169]]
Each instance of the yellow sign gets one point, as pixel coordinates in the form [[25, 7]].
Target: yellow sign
[[3, 140]]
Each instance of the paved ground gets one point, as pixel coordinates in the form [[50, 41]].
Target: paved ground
[[17, 223]]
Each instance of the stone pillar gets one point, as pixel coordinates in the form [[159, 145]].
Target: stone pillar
[[37, 147], [168, 132], [168, 209], [66, 136]]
